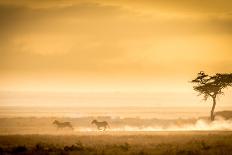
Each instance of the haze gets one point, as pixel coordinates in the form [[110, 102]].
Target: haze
[[114, 46]]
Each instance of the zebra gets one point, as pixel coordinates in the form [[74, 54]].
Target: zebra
[[101, 125], [61, 125]]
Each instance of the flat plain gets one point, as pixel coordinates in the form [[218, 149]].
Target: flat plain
[[117, 143]]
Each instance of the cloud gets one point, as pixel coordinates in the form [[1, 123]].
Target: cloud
[[205, 6], [114, 36], [190, 6]]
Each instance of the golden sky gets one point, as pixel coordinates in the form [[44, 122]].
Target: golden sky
[[112, 45]]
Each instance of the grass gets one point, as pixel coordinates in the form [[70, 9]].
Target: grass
[[112, 143]]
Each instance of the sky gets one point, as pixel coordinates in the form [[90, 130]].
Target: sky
[[112, 45]]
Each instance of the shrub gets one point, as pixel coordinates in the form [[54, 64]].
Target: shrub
[[19, 149]]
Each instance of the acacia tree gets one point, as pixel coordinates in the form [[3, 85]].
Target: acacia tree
[[211, 86]]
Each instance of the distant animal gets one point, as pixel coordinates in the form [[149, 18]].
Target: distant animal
[[101, 125], [61, 125]]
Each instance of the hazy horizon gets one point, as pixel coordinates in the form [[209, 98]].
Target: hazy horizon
[[109, 99]]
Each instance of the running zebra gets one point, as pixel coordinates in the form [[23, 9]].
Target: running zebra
[[101, 125], [61, 125]]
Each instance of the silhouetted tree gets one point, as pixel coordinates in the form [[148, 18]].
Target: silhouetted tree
[[211, 86]]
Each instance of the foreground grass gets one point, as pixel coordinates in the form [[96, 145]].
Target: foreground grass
[[131, 143]]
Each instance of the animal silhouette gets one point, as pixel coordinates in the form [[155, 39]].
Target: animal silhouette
[[101, 125], [61, 125]]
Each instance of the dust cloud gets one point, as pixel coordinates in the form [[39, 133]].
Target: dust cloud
[[220, 124]]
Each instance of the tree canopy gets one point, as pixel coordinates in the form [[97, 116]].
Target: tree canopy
[[211, 86]]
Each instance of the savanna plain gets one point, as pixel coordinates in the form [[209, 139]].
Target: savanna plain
[[129, 143]]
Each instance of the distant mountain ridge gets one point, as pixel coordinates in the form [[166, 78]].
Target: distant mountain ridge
[[224, 114]]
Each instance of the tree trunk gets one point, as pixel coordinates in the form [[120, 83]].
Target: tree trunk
[[212, 110]]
